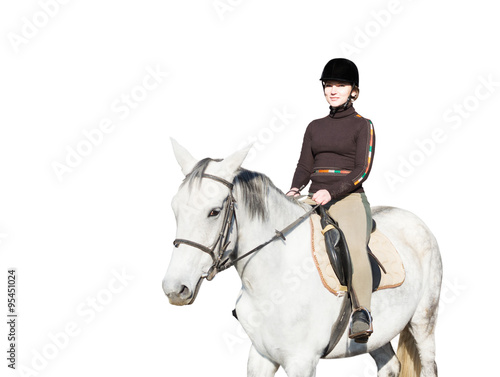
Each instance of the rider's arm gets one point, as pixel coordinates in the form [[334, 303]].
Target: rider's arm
[[365, 148], [306, 162]]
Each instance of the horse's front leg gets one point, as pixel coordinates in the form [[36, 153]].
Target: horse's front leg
[[300, 367], [260, 366]]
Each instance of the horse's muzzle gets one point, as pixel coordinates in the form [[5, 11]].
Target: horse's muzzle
[[180, 294]]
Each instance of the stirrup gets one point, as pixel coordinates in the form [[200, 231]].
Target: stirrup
[[361, 336]]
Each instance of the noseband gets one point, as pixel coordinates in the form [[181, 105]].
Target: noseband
[[216, 251]]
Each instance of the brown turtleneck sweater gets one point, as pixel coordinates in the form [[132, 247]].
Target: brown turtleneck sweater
[[337, 154]]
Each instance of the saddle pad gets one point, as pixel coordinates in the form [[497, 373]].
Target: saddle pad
[[379, 244]]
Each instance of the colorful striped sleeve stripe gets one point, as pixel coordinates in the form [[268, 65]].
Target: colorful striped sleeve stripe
[[370, 153], [332, 171]]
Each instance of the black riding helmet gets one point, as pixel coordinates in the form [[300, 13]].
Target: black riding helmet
[[340, 69]]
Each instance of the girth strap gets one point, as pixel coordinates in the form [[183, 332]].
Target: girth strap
[[340, 325]]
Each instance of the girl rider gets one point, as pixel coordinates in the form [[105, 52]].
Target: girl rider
[[337, 155]]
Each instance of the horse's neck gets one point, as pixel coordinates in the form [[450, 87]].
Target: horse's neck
[[279, 257]]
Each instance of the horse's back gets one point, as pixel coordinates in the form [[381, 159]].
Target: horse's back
[[417, 247], [414, 241], [405, 227]]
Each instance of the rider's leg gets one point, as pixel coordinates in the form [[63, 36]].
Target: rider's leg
[[353, 215]]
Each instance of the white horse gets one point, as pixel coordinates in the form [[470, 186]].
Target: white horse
[[283, 305]]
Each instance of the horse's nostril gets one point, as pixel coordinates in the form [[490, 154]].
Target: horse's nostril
[[178, 294], [184, 292]]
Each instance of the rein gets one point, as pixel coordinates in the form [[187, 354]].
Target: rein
[[278, 234], [222, 241]]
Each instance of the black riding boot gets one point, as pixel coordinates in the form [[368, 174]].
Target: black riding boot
[[361, 325]]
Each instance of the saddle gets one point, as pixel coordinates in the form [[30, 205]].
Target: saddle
[[338, 251], [336, 270]]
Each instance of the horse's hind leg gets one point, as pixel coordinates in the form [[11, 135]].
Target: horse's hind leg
[[422, 329], [417, 339], [387, 362], [260, 366]]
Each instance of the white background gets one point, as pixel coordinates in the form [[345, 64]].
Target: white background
[[229, 71]]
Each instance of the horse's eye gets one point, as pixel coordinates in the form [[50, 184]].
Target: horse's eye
[[213, 213]]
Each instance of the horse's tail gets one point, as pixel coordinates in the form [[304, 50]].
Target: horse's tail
[[408, 355]]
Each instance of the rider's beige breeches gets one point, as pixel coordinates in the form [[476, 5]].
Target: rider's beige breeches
[[353, 215]]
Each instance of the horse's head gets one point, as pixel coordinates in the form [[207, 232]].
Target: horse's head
[[201, 208]]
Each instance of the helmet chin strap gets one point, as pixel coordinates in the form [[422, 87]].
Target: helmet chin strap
[[333, 110]]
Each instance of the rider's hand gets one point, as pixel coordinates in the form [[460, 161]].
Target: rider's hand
[[322, 196], [294, 191]]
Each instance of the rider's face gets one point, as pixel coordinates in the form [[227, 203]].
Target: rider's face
[[337, 92]]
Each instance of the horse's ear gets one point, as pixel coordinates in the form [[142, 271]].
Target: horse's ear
[[183, 157], [232, 163]]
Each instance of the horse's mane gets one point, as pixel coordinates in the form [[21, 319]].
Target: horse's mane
[[254, 187]]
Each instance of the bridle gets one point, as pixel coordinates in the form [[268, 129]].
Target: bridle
[[220, 261], [219, 246]]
